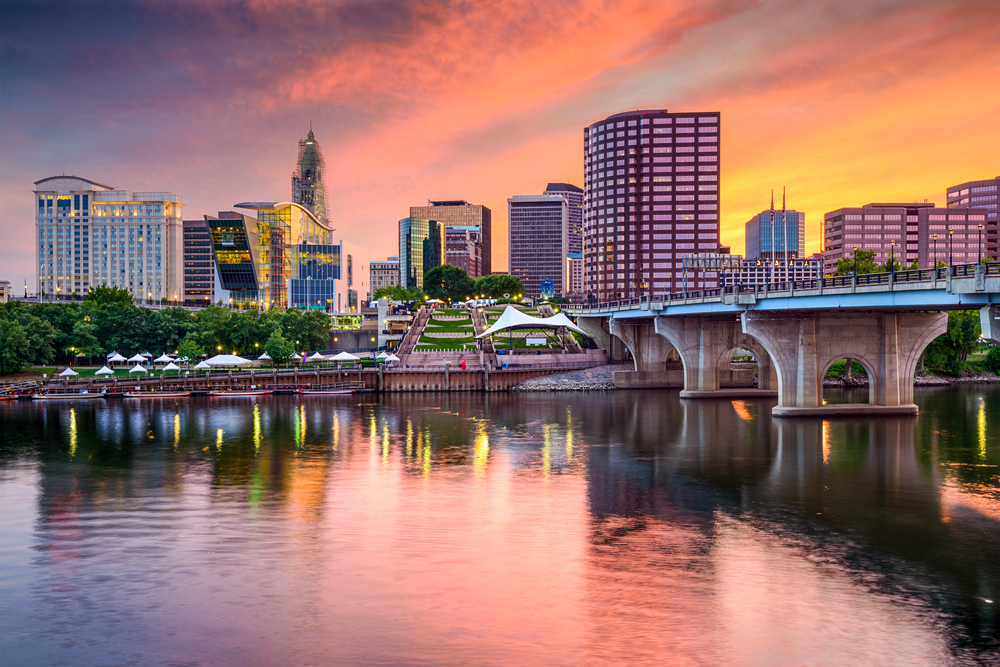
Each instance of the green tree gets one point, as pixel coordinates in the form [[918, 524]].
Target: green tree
[[102, 294], [400, 293], [949, 352], [496, 285], [189, 348], [13, 346], [279, 348], [310, 328], [85, 339], [865, 263], [449, 283]]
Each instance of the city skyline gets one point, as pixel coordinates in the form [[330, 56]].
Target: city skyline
[[826, 110]]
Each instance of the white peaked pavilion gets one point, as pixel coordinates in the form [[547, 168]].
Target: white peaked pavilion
[[171, 367], [137, 369], [226, 360], [116, 359], [201, 366], [316, 357], [68, 372], [264, 357], [162, 359], [105, 371], [512, 318], [344, 356]]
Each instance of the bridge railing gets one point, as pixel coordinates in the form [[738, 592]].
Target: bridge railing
[[865, 279]]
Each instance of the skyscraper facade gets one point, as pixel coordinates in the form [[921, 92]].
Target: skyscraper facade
[[90, 234], [981, 194], [574, 221], [470, 225], [788, 233], [421, 248], [308, 184], [537, 241], [651, 196], [199, 267]]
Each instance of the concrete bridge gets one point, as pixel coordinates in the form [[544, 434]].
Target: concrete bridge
[[796, 331]]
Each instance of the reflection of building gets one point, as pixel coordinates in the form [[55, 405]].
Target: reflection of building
[[286, 258], [308, 186], [421, 248], [385, 274], [537, 246], [574, 213], [763, 242], [199, 267], [906, 231], [981, 194], [468, 245], [91, 234]]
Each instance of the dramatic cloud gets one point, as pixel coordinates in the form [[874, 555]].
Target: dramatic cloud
[[842, 102]]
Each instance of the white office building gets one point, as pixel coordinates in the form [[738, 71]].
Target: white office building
[[90, 234]]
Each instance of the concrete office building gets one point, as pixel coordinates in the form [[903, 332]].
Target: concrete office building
[[385, 274], [574, 219], [574, 271], [537, 241], [308, 183], [199, 265], [421, 248], [92, 234], [764, 242], [467, 225], [651, 196], [903, 230], [5, 291], [980, 194]]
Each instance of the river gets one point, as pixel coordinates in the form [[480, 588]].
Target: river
[[620, 528]]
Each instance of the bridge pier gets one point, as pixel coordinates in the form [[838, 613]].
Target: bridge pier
[[804, 345], [598, 328], [989, 319], [705, 346]]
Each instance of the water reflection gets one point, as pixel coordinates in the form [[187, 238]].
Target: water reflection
[[627, 528]]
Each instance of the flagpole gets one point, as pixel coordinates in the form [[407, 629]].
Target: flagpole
[[770, 262], [784, 228]]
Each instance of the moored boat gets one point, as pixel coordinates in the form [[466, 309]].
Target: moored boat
[[80, 396], [157, 394], [239, 392], [323, 392]]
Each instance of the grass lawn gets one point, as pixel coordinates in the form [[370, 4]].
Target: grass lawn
[[438, 344], [450, 326], [451, 312]]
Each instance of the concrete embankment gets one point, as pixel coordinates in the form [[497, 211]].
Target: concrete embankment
[[600, 378]]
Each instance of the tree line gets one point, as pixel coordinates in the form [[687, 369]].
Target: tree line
[[452, 283], [107, 320]]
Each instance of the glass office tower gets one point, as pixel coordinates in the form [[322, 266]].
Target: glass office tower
[[421, 248]]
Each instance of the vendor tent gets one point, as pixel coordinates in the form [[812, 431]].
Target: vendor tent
[[116, 359], [227, 360], [68, 372], [202, 366], [137, 369], [171, 367], [105, 371], [162, 359], [344, 356], [138, 358], [316, 357]]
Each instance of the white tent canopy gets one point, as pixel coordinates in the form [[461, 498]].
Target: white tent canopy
[[68, 372], [264, 357], [112, 354], [104, 371], [162, 359], [147, 353], [226, 360], [171, 367], [316, 357], [117, 358], [297, 357], [382, 355], [137, 358], [201, 366], [434, 301], [392, 357], [137, 369], [344, 356], [512, 318]]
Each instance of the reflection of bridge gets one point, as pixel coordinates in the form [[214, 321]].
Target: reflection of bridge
[[797, 331]]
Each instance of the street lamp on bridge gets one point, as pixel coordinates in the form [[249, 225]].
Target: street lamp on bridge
[[950, 232], [980, 260], [934, 253]]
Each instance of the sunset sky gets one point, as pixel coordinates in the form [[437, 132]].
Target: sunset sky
[[841, 102]]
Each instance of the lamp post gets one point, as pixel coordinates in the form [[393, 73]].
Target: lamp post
[[980, 260], [855, 261], [934, 253], [892, 256], [950, 232]]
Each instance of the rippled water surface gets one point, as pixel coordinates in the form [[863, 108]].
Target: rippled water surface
[[627, 528]]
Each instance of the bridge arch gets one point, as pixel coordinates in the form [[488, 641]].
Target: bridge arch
[[869, 367]]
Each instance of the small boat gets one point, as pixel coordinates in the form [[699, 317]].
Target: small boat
[[81, 396], [240, 392], [7, 397], [323, 392], [157, 394]]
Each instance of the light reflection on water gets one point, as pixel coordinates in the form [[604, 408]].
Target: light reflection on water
[[561, 529]]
